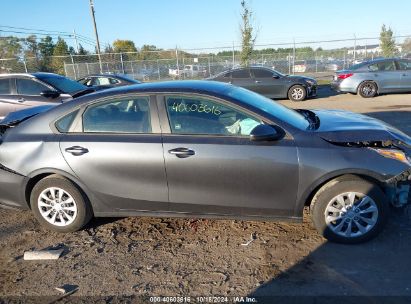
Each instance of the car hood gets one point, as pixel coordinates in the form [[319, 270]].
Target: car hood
[[300, 78], [13, 118], [343, 126]]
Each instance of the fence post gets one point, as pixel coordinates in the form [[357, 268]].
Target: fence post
[[25, 64], [122, 63], [294, 57], [355, 47], [178, 67], [233, 56], [209, 67], [184, 74], [88, 70], [289, 63], [74, 67], [158, 70]]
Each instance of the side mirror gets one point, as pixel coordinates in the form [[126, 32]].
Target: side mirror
[[265, 133], [50, 94]]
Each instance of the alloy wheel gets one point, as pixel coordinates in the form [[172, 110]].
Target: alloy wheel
[[297, 93], [351, 214], [57, 206]]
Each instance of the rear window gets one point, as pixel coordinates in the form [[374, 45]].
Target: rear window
[[5, 86]]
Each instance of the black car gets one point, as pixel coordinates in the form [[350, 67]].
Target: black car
[[105, 81], [203, 149], [270, 83], [20, 91]]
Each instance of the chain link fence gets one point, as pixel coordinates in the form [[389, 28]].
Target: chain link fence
[[309, 58]]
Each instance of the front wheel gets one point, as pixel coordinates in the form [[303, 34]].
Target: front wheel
[[349, 211], [59, 205], [297, 93]]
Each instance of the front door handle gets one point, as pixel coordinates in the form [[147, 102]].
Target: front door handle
[[77, 150], [257, 81], [21, 100], [182, 152]]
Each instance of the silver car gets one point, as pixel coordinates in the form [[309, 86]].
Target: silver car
[[375, 77]]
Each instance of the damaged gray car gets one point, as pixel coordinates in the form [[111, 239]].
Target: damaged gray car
[[203, 149]]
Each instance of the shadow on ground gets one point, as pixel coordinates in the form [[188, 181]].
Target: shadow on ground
[[374, 271]]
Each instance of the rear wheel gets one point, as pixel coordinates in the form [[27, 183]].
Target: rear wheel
[[297, 93], [349, 211], [59, 205], [367, 89]]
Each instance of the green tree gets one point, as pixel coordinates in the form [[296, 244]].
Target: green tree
[[406, 46], [248, 36], [120, 46], [81, 50], [32, 53], [60, 49], [387, 42], [10, 47], [46, 47]]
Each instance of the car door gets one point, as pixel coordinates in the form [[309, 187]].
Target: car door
[[242, 78], [7, 104], [214, 168], [404, 66], [267, 83], [116, 151], [28, 93], [386, 76]]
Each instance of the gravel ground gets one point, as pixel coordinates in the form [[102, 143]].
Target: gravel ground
[[129, 257]]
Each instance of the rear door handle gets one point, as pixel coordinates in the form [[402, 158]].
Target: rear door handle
[[77, 150], [257, 81], [182, 152], [21, 100]]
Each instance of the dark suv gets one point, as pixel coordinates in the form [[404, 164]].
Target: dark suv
[[19, 91]]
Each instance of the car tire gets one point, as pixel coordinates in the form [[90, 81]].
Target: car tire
[[59, 205], [349, 210], [367, 89], [297, 93]]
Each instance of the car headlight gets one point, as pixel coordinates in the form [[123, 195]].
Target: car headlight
[[394, 154], [311, 82]]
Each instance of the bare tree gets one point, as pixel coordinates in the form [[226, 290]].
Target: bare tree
[[248, 35]]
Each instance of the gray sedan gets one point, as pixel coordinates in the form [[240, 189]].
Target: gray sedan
[[270, 83], [203, 149], [375, 77]]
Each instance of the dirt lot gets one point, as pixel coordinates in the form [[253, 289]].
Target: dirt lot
[[124, 258]]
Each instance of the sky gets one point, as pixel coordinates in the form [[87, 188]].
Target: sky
[[192, 24]]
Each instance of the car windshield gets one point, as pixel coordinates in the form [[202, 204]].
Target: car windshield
[[273, 108], [63, 84]]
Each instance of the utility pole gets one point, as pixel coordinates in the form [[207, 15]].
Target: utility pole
[[96, 33], [75, 39]]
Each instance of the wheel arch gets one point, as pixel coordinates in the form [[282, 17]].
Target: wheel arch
[[33, 178], [308, 195]]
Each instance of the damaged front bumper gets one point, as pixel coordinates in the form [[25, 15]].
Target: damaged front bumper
[[398, 189]]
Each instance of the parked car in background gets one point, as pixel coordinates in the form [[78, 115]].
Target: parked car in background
[[375, 77], [204, 149], [270, 83], [334, 65], [19, 91], [189, 70], [105, 81]]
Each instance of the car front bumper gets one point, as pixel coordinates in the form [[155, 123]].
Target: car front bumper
[[11, 188], [312, 91]]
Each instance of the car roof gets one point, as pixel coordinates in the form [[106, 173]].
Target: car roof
[[188, 86], [31, 75]]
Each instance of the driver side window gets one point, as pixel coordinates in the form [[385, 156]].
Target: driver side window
[[201, 116]]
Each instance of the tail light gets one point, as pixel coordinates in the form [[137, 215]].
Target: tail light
[[344, 76]]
